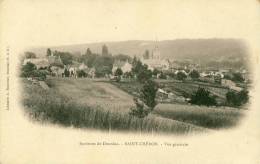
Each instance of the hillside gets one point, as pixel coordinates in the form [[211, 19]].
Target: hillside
[[204, 50]]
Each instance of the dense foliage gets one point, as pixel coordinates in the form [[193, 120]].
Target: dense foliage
[[181, 76], [148, 93], [118, 74], [29, 55], [203, 97], [30, 70], [194, 74], [237, 98]]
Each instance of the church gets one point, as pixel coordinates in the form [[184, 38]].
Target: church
[[154, 60]]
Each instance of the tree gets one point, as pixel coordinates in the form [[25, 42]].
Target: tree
[[136, 66], [194, 74], [122, 57], [118, 73], [66, 57], [203, 97], [146, 54], [162, 75], [29, 67], [148, 93], [103, 65], [29, 55], [141, 70], [104, 50], [237, 99], [30, 70], [144, 74], [155, 72], [88, 53], [81, 73], [48, 52], [181, 76], [147, 100], [237, 77], [89, 59], [66, 72]]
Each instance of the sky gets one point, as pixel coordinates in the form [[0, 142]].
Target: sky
[[52, 22]]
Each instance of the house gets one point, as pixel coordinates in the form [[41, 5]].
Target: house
[[83, 67], [57, 71], [230, 84], [161, 94], [55, 60], [183, 71], [125, 66], [91, 73]]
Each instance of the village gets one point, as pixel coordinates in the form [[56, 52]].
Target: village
[[122, 88], [120, 68]]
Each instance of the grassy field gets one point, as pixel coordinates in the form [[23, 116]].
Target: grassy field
[[92, 93], [209, 117], [184, 89], [85, 103], [61, 106]]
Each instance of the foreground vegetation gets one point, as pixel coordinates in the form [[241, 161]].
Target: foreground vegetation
[[51, 106], [209, 117]]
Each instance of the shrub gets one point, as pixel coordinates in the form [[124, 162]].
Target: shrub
[[237, 99], [148, 94], [194, 74], [181, 76], [162, 75], [30, 70], [81, 73], [140, 110], [144, 74], [237, 77], [118, 74], [202, 97], [26, 69]]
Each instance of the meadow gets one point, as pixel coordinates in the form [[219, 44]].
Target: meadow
[[184, 89], [97, 104], [208, 117]]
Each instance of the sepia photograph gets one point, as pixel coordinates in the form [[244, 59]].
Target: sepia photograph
[[128, 81], [171, 86]]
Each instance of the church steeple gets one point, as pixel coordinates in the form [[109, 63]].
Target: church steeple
[[156, 52]]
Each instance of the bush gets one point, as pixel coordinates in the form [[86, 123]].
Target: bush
[[162, 75], [29, 67], [81, 73], [194, 74], [144, 74], [148, 94], [140, 110], [237, 99], [202, 97], [30, 70], [237, 77], [148, 102], [118, 74], [181, 76]]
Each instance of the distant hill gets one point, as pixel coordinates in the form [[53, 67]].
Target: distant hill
[[198, 50]]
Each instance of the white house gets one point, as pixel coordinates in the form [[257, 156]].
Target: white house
[[124, 65], [230, 84], [83, 66]]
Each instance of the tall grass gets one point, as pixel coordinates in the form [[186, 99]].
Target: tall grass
[[50, 106], [208, 117]]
